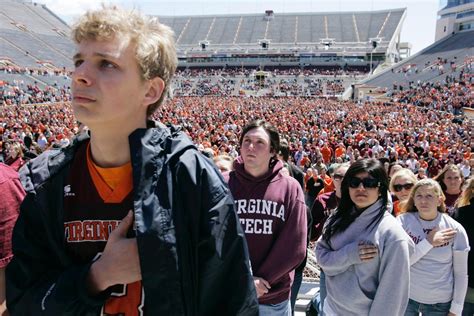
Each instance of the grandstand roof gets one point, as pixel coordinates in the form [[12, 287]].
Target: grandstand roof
[[286, 29]]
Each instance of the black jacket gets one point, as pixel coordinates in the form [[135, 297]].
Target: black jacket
[[465, 216], [193, 254]]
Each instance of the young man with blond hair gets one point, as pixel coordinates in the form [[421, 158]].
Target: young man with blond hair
[[133, 220]]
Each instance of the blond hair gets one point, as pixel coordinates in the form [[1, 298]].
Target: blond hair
[[402, 173], [154, 42], [16, 147], [467, 194], [409, 205], [440, 177]]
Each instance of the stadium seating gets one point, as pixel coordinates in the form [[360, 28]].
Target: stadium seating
[[31, 35], [422, 66], [285, 28]]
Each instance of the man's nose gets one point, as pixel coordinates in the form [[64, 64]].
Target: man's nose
[[82, 74]]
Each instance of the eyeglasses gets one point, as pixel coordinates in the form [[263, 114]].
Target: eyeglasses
[[369, 183], [338, 177], [400, 187]]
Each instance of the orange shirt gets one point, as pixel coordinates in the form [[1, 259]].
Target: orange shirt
[[396, 208], [113, 186], [328, 185], [423, 164], [304, 160], [340, 151], [327, 153]]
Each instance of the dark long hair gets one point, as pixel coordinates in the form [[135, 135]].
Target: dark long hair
[[344, 215]]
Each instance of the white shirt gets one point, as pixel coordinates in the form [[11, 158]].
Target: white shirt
[[432, 276]]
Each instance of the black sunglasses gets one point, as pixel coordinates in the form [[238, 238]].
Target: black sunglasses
[[400, 187], [368, 183], [338, 176]]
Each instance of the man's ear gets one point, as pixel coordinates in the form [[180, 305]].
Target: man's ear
[[155, 89]]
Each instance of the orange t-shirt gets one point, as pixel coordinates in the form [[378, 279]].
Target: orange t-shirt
[[340, 151], [328, 185], [327, 153], [304, 160], [424, 164], [113, 186]]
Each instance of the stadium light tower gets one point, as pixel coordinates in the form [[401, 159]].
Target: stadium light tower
[[327, 42], [203, 44], [374, 42], [264, 43]]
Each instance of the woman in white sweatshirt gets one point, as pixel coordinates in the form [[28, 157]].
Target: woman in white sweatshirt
[[364, 252], [439, 264]]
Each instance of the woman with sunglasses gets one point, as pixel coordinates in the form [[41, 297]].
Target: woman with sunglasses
[[400, 185], [438, 273], [363, 250]]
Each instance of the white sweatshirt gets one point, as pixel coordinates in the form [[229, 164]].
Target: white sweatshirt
[[438, 275]]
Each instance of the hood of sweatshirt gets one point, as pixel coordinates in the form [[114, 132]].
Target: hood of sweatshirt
[[271, 175]]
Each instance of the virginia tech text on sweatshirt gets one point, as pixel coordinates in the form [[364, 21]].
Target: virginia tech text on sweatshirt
[[272, 212]]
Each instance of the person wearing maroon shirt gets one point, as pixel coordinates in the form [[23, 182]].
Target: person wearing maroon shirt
[[327, 202], [434, 168], [272, 211], [11, 195], [451, 181]]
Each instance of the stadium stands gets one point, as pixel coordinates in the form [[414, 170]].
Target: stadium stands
[[209, 102], [425, 65], [286, 28], [32, 36]]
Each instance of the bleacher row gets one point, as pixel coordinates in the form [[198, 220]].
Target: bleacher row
[[274, 85], [292, 28], [457, 48], [32, 36], [220, 84]]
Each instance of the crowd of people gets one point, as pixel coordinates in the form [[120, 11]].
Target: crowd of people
[[126, 215], [320, 130], [35, 71], [451, 95], [277, 82], [334, 71], [21, 93]]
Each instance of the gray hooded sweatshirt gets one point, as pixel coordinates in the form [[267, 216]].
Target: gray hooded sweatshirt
[[376, 287]]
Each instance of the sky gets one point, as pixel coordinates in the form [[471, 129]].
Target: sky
[[418, 28]]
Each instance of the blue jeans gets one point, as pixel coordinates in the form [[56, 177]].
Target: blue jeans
[[318, 300], [438, 309], [280, 309]]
